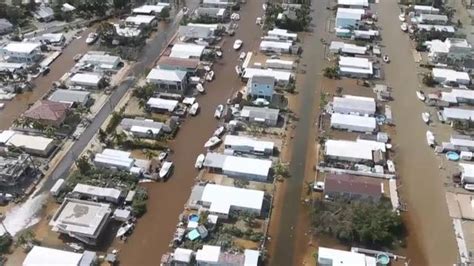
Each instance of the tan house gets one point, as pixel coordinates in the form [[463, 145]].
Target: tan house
[[48, 113]]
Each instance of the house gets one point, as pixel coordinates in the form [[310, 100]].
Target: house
[[48, 113], [70, 97], [261, 87], [95, 193], [444, 28], [282, 34], [162, 105], [457, 114], [434, 19], [82, 220], [348, 104], [349, 18], [189, 33], [21, 52], [353, 123], [141, 20], [458, 96], [34, 145], [249, 145], [212, 13], [419, 9], [5, 26], [187, 50], [39, 256], [114, 159], [280, 64], [336, 257], [449, 76], [238, 167], [44, 14], [89, 80], [352, 151], [275, 47], [260, 115], [174, 81], [355, 67], [150, 10], [144, 128], [352, 187], [181, 64], [281, 77], [14, 169], [347, 48], [56, 39], [100, 60], [353, 3], [451, 49], [222, 200]]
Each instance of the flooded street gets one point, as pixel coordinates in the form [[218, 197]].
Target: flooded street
[[166, 200], [14, 108], [422, 183]]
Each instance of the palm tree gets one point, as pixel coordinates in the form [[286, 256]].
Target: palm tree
[[50, 131], [150, 154], [82, 110]]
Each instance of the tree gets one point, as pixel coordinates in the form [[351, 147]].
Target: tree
[[165, 13], [281, 170], [120, 4], [428, 80], [50, 131], [102, 135], [107, 32], [83, 165], [331, 72], [248, 218], [149, 154], [5, 243]]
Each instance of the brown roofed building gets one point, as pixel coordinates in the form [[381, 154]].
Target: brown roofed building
[[48, 113], [183, 64], [352, 187]]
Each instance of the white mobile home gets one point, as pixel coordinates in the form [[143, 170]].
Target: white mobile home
[[348, 104], [333, 257], [347, 18], [275, 47], [355, 67], [467, 172], [445, 28], [457, 114], [97, 193], [114, 159], [419, 9], [282, 34], [280, 64], [161, 105], [451, 48], [239, 167], [457, 96], [91, 80], [282, 77], [449, 76], [248, 145], [432, 19], [187, 50], [352, 151], [353, 123], [141, 20], [153, 10], [347, 48]]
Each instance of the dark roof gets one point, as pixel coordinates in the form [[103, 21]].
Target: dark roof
[[344, 183], [5, 24], [178, 62]]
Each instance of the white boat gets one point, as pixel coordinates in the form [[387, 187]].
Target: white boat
[[165, 169], [210, 76], [242, 56], [261, 101], [91, 38], [200, 161], [264, 6], [200, 88], [77, 57], [162, 156], [469, 187], [2, 105], [401, 17], [219, 53], [426, 117], [386, 59], [219, 110], [237, 44], [213, 141], [194, 109], [404, 26], [430, 139], [411, 29], [218, 132], [235, 16], [238, 70], [124, 229], [421, 95]]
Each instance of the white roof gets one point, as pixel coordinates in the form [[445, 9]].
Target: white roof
[[182, 255], [463, 141], [353, 120], [208, 253], [6, 135], [186, 50], [145, 130], [456, 94], [99, 59], [43, 256], [364, 3], [114, 158], [257, 145], [37, 143], [160, 103], [349, 13], [89, 79], [355, 65], [22, 47], [245, 165], [354, 104], [251, 257], [451, 75], [11, 66], [467, 169], [157, 74], [282, 33], [432, 17], [148, 9], [436, 27], [116, 153], [278, 75], [437, 46], [127, 31], [348, 48], [335, 257], [279, 45], [140, 19], [360, 149], [426, 8], [458, 113], [279, 62], [221, 198], [97, 191], [52, 37]]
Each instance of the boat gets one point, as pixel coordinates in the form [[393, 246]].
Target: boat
[[2, 105], [426, 117], [237, 44], [210, 76], [219, 131], [162, 156], [242, 56], [124, 229], [200, 161], [200, 88], [235, 16], [469, 187], [386, 59], [401, 17], [219, 110], [404, 26], [421, 95], [261, 101], [430, 139], [219, 53], [194, 109], [165, 169], [411, 29], [264, 6], [213, 141], [77, 57], [91, 38], [238, 70]]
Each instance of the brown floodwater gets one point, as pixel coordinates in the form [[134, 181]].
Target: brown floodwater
[[14, 108], [166, 200]]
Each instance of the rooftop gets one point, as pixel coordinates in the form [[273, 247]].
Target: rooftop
[[349, 13], [257, 145], [163, 104], [260, 112], [29, 142], [166, 75], [458, 113], [43, 256], [336, 257], [86, 78], [208, 253], [140, 19], [22, 47], [178, 62], [47, 110], [69, 96], [187, 50], [364, 3], [222, 198], [349, 103], [195, 32], [279, 75], [353, 120], [344, 183], [97, 191], [149, 9]]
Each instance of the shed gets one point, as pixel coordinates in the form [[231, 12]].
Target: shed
[[353, 122], [183, 255], [57, 187], [467, 172], [122, 215]]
